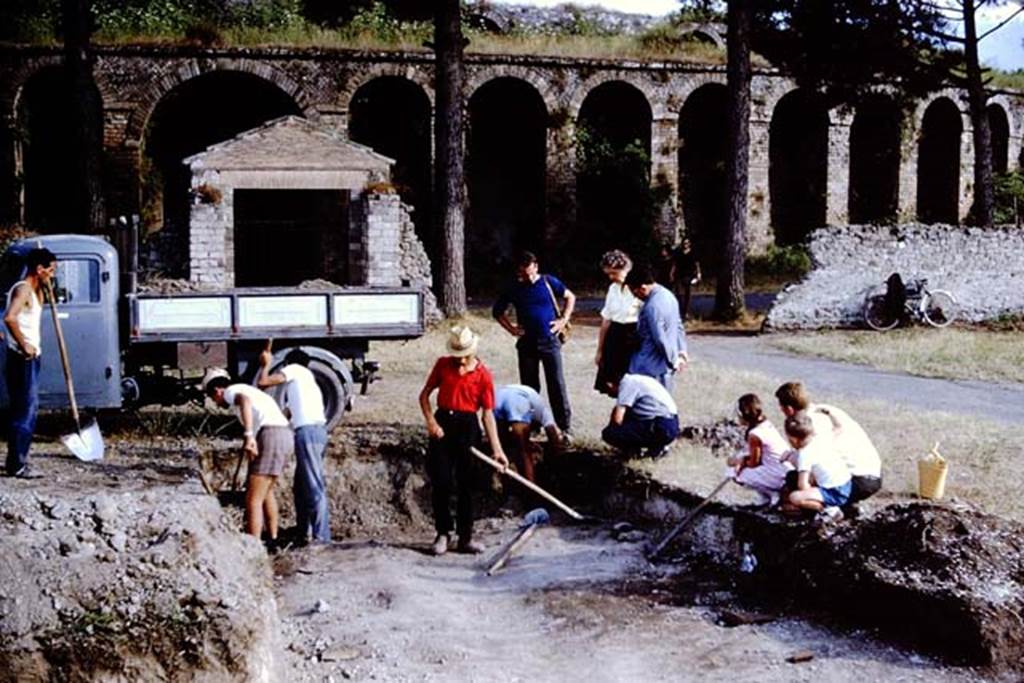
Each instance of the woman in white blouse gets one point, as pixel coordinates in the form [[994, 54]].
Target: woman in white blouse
[[617, 338]]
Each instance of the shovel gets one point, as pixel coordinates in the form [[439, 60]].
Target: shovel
[[533, 519], [85, 444], [527, 483], [653, 555]]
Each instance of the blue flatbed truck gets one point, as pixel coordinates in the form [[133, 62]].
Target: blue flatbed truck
[[134, 348]]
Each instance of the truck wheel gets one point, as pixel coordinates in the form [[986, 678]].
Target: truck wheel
[[336, 394]]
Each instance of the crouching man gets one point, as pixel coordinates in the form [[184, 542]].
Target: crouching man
[[644, 417], [518, 409], [268, 443]]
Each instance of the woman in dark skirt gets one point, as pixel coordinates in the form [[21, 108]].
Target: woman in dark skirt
[[617, 339]]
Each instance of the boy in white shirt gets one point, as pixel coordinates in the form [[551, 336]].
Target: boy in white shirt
[[306, 406], [268, 444], [823, 481]]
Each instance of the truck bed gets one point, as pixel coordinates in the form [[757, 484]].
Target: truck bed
[[254, 313]]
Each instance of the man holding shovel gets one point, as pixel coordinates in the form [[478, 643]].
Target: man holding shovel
[[305, 404], [22, 319]]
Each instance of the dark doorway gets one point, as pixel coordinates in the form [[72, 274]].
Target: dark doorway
[[999, 128], [615, 207], [198, 113], [798, 166], [285, 237], [938, 163], [875, 161], [702, 179], [392, 115], [47, 120], [507, 145]]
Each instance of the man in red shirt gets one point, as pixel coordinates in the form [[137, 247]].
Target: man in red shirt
[[464, 387]]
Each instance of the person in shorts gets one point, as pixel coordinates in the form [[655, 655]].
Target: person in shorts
[[823, 481], [268, 443]]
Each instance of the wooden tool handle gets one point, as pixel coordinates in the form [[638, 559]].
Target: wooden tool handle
[[64, 356], [526, 482], [686, 520], [521, 538]]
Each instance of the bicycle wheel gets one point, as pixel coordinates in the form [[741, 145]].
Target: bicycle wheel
[[939, 308], [877, 315]]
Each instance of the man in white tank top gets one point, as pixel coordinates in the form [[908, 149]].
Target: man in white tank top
[[22, 319], [306, 406]]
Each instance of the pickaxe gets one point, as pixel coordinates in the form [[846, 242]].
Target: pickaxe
[[533, 519]]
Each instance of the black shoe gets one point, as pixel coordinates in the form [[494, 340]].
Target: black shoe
[[26, 473], [658, 453]]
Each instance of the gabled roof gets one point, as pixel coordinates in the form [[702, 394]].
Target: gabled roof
[[290, 142]]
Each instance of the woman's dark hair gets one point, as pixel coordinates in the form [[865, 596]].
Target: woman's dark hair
[[751, 410], [217, 383]]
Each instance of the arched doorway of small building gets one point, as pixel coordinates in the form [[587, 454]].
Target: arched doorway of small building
[[798, 166], [615, 206], [875, 161], [702, 175], [46, 118], [938, 163], [999, 131], [391, 114], [200, 112], [507, 143]]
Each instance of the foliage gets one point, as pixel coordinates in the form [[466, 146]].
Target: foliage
[[1009, 80], [1009, 188], [779, 264]]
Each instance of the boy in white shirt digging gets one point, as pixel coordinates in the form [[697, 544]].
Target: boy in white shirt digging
[[823, 480]]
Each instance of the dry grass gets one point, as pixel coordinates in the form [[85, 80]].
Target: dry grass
[[948, 353], [977, 450]]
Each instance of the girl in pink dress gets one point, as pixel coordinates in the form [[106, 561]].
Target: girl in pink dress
[[761, 466]]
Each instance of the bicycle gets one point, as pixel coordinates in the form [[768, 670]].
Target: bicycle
[[937, 307]]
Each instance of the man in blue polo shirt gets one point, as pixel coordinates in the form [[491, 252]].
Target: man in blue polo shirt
[[518, 409], [537, 326]]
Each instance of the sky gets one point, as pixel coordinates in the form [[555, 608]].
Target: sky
[[1004, 49]]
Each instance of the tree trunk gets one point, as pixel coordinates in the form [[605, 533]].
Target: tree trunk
[[86, 200], [984, 191], [729, 289], [449, 179]]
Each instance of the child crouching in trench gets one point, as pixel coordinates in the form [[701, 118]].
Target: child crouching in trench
[[464, 387]]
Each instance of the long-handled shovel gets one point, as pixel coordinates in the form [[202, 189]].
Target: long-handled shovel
[[527, 483], [85, 444], [533, 519], [686, 521]]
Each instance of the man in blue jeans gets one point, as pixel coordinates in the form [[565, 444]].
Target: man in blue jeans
[[23, 322], [537, 326], [305, 404], [645, 416]]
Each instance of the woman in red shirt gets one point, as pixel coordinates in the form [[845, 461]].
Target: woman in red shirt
[[464, 386]]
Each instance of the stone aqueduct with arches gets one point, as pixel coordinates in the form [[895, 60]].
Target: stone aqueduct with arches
[[809, 165]]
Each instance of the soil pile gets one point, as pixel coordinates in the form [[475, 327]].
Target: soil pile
[[947, 579], [129, 580]]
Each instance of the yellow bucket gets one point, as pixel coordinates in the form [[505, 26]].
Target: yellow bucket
[[931, 475]]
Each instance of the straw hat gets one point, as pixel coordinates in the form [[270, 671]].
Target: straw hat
[[462, 341]]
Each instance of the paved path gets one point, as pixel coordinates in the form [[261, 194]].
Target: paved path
[[1002, 402]]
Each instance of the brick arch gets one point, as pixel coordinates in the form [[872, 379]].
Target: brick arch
[[482, 77], [409, 72], [578, 96], [160, 87], [24, 74], [949, 94]]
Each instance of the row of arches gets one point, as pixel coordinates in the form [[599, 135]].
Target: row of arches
[[507, 145]]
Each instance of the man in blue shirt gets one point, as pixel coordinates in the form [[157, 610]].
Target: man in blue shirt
[[537, 326], [662, 350], [645, 416], [518, 409]]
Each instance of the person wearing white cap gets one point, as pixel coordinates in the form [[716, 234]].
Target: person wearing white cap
[[464, 387], [268, 444]]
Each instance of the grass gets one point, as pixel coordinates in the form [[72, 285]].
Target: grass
[[949, 353], [977, 450]]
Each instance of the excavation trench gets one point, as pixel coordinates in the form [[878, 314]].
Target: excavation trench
[[943, 581]]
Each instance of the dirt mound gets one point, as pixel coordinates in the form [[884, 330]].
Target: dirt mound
[[129, 580], [946, 579]]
